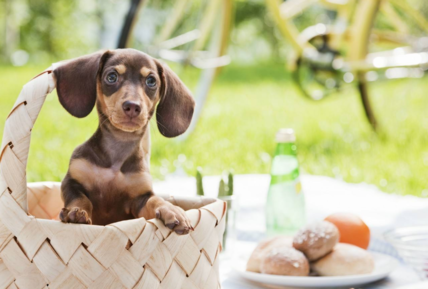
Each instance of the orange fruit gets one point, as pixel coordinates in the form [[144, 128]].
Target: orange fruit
[[351, 228]]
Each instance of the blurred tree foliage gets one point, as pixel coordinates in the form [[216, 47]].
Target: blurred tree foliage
[[254, 13], [48, 30], [48, 27]]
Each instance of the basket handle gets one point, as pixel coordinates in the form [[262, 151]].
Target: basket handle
[[17, 135]]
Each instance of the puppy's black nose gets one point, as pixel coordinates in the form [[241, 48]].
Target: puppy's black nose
[[131, 108]]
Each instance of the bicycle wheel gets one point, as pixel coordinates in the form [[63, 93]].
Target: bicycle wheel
[[192, 36], [391, 43], [359, 51]]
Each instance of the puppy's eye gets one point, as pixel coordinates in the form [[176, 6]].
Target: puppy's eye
[[151, 81], [111, 77]]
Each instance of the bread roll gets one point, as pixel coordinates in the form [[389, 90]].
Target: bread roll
[[285, 261], [345, 259], [263, 247], [316, 240]]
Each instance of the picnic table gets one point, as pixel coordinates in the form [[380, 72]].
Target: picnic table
[[324, 196]]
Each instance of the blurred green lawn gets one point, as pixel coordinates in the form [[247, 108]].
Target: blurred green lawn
[[246, 107]]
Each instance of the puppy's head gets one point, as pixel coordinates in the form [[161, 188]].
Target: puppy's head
[[128, 87]]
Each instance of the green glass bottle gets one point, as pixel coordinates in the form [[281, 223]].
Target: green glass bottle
[[285, 206]]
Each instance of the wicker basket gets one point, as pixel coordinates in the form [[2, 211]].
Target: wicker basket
[[37, 251]]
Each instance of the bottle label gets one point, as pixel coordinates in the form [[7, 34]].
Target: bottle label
[[298, 186]]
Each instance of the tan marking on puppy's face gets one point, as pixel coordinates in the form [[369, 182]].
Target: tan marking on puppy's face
[[145, 71], [121, 69], [130, 76]]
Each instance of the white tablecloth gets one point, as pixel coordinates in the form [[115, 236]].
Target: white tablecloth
[[323, 196]]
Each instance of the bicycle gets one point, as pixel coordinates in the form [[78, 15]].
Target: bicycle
[[356, 46], [334, 64]]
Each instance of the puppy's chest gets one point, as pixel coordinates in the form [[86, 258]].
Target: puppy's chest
[[109, 182]]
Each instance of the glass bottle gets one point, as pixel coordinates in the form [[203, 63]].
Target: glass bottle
[[285, 206]]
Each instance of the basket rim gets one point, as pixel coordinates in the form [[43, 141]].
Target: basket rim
[[215, 201]]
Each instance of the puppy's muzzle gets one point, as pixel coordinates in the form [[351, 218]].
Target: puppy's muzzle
[[131, 108]]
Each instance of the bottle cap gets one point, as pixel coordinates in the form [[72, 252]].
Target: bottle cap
[[285, 135]]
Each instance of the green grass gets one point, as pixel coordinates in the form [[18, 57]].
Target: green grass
[[246, 107]]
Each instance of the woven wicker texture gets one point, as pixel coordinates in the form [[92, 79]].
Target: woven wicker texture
[[39, 252]]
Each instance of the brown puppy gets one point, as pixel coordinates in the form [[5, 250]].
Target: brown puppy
[[108, 178]]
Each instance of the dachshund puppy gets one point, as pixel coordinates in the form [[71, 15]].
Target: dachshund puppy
[[108, 179]]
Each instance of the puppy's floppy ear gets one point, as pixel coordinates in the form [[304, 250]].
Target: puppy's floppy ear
[[76, 83], [175, 109]]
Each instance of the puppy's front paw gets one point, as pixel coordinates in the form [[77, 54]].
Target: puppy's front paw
[[174, 218], [75, 215]]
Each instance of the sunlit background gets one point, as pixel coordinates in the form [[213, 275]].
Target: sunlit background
[[251, 99]]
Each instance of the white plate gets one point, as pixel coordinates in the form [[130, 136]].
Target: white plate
[[384, 265]]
